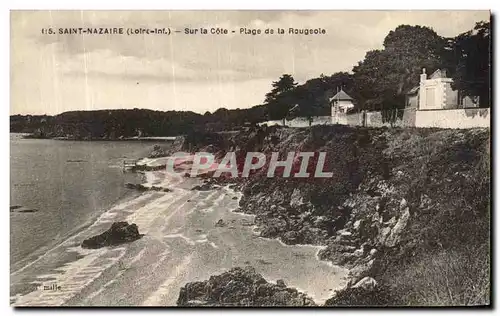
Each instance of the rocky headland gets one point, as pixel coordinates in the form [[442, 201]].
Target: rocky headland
[[399, 200]]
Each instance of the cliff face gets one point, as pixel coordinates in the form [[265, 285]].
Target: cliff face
[[396, 196]]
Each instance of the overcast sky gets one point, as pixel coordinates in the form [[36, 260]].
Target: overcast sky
[[56, 73]]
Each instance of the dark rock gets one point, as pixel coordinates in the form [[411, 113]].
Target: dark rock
[[220, 223], [118, 233], [138, 167], [281, 283], [137, 186], [160, 189], [20, 209], [240, 287], [158, 152], [28, 210], [203, 187], [143, 188]]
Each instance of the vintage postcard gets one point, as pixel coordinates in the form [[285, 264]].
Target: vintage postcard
[[250, 158]]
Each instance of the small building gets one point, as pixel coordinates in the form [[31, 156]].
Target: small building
[[436, 93], [341, 102]]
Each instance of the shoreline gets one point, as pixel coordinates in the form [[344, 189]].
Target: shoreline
[[38, 254], [35, 255], [70, 245], [42, 251], [169, 139]]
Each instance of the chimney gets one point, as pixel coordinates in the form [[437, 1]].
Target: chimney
[[423, 76]]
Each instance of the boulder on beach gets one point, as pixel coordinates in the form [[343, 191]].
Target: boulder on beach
[[21, 209], [220, 223], [203, 187], [142, 187], [241, 287], [160, 189], [118, 233], [135, 186]]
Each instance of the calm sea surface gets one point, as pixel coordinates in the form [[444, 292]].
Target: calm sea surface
[[68, 183]]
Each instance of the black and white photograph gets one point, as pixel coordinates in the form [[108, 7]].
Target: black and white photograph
[[250, 158]]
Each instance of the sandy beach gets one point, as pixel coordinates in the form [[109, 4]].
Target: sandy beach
[[181, 244]]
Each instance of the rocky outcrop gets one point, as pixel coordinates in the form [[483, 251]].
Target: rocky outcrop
[[366, 283], [203, 187], [142, 187], [158, 151], [241, 287], [394, 193], [144, 167], [21, 209], [220, 223], [366, 235], [118, 233]]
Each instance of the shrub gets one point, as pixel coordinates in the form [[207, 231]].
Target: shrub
[[458, 277]]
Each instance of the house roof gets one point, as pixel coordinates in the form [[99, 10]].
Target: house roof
[[439, 73], [341, 95], [413, 90]]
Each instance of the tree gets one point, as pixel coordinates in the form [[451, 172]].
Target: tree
[[313, 97], [384, 76], [342, 80], [284, 84], [472, 56], [279, 99]]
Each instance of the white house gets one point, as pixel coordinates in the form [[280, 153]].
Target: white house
[[435, 93]]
